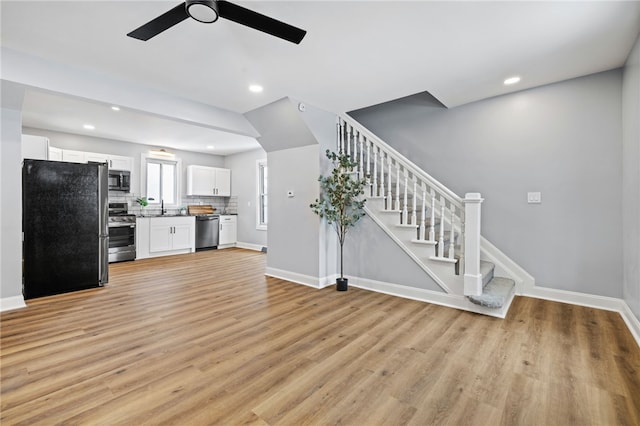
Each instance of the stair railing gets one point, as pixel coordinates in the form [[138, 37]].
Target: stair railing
[[384, 166]]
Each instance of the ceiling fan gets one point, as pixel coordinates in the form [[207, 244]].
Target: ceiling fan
[[209, 11]]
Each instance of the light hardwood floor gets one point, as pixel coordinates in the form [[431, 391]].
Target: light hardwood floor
[[206, 338]]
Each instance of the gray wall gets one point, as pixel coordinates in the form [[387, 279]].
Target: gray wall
[[244, 185], [293, 237], [631, 179], [114, 147], [322, 124], [370, 253], [563, 140], [11, 200], [280, 126], [292, 157]]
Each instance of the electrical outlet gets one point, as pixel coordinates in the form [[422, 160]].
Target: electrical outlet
[[534, 197]]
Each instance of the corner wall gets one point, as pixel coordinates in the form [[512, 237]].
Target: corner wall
[[244, 183], [631, 179], [11, 202], [293, 237], [563, 140]]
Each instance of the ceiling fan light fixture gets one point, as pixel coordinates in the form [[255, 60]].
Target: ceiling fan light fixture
[[203, 10]]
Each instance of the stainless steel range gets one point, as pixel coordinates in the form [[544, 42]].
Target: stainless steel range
[[122, 233]]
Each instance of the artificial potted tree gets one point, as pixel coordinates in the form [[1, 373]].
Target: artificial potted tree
[[341, 201]]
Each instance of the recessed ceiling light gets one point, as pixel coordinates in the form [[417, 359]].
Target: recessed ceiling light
[[255, 88], [89, 127], [209, 146], [115, 108], [511, 80]]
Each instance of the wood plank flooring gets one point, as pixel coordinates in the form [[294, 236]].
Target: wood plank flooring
[[206, 338]]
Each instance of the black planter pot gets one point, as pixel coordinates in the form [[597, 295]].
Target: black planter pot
[[342, 284]]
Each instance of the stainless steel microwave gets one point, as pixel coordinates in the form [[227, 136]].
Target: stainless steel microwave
[[119, 180]]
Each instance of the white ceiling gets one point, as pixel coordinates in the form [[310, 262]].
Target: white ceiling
[[66, 114], [355, 54]]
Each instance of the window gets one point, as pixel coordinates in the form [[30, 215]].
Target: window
[[160, 180], [262, 211]]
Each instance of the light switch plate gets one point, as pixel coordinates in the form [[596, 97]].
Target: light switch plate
[[534, 197]]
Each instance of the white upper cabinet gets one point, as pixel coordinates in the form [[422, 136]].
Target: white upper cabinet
[[223, 182], [55, 154], [73, 156], [35, 147], [114, 162], [117, 162], [208, 181]]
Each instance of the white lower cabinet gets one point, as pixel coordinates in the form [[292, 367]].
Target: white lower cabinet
[[228, 231], [162, 236]]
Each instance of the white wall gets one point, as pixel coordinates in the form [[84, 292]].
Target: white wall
[[562, 139], [244, 181], [631, 179]]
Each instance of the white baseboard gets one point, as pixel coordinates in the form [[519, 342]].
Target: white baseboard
[[574, 298], [590, 301], [429, 296], [633, 323], [461, 302], [11, 303], [295, 277], [249, 246]]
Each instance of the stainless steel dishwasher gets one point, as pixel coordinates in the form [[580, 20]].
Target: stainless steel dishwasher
[[207, 231]]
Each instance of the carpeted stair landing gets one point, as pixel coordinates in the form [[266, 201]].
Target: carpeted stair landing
[[496, 290]]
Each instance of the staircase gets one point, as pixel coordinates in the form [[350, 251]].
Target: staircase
[[436, 228]]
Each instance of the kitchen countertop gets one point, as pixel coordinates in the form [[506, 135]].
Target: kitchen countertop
[[180, 215]]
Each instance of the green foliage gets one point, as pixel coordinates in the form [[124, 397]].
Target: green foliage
[[341, 201], [142, 201]]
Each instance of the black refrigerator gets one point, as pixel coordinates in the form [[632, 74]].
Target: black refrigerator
[[65, 227]]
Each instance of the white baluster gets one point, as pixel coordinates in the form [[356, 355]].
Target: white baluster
[[342, 123], [397, 207], [423, 221], [441, 240], [414, 219], [389, 195], [368, 160], [338, 119], [381, 172], [374, 188], [349, 141], [404, 199], [432, 228], [361, 168], [452, 234]]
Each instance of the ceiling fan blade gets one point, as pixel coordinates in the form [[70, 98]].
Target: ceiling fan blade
[[260, 22], [161, 23]]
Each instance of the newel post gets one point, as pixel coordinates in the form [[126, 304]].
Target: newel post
[[472, 277]]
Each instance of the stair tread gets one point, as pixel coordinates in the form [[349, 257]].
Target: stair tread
[[495, 293]]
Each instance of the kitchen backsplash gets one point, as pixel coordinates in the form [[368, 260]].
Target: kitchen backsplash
[[223, 205]]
